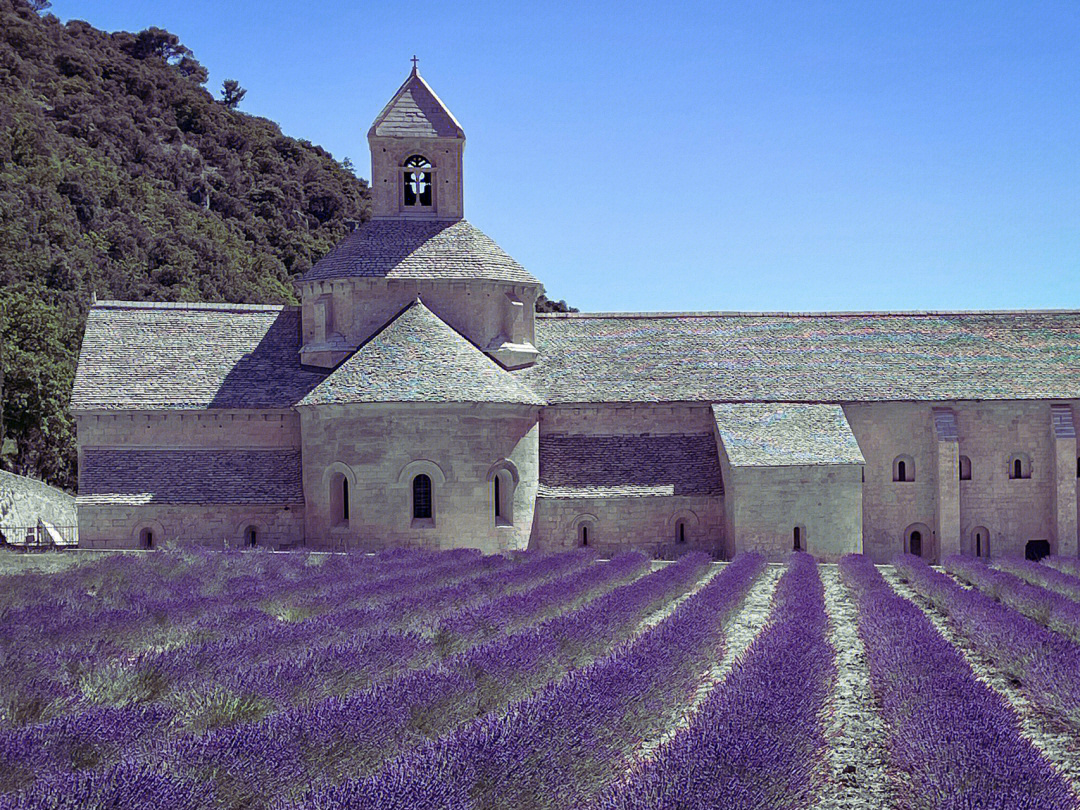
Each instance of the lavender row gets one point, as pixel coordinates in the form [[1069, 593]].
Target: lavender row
[[1070, 565], [563, 746], [757, 739], [341, 738], [45, 680], [1044, 662], [953, 742], [241, 690], [1042, 575], [1050, 609]]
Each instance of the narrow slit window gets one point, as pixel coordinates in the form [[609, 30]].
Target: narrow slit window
[[344, 500], [798, 539], [680, 532], [497, 496]]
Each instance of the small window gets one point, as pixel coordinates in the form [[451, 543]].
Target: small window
[[146, 538], [798, 539], [680, 532], [584, 534], [1078, 468], [980, 541], [417, 182], [421, 487], [1019, 466], [965, 468], [903, 469], [496, 497], [251, 537]]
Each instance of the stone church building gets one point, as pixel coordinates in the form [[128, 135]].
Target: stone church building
[[414, 397]]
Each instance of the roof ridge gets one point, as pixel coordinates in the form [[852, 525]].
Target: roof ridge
[[192, 305], [914, 313]]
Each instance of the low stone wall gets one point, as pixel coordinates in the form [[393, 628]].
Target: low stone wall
[[25, 501], [213, 526]]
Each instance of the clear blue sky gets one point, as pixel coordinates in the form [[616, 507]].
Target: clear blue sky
[[751, 155]]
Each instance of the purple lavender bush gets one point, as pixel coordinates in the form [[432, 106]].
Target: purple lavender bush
[[1042, 575], [1042, 662], [953, 742], [1039, 604], [572, 740], [757, 740]]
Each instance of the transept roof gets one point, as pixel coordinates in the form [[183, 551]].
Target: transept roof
[[417, 357], [781, 434]]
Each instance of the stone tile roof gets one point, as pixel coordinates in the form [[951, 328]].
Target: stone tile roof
[[578, 466], [190, 356], [108, 476], [417, 357], [423, 250], [415, 111], [807, 358], [784, 434]]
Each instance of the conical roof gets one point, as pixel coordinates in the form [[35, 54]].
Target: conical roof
[[417, 357], [416, 112]]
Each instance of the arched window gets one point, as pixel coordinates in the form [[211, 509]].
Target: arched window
[[146, 538], [339, 500], [680, 532], [1019, 466], [583, 534], [584, 527], [915, 543], [980, 541], [903, 468], [965, 468], [251, 537], [919, 541], [496, 497], [417, 182], [798, 539], [421, 488]]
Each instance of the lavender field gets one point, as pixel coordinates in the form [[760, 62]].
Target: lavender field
[[413, 679]]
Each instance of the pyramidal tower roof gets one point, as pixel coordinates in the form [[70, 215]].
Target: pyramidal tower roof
[[417, 357], [416, 111]]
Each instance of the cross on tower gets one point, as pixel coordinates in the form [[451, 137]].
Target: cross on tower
[[414, 61]]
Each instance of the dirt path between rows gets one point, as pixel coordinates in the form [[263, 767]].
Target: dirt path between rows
[[855, 775], [1059, 745], [741, 629]]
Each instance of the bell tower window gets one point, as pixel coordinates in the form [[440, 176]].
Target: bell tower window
[[417, 182]]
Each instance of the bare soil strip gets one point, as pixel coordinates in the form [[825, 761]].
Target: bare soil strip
[[1058, 744], [855, 768], [742, 629]]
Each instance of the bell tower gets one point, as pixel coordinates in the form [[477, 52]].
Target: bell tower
[[416, 155]]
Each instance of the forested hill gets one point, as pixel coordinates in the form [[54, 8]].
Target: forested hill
[[121, 175]]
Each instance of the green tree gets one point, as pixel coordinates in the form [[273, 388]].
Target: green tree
[[232, 93]]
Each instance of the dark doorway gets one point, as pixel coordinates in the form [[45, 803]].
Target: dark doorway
[[915, 543], [146, 538], [1037, 549], [798, 539], [251, 536]]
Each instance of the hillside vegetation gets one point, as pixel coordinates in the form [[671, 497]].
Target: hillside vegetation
[[121, 175]]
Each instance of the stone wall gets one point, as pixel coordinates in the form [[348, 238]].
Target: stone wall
[[25, 501], [117, 525], [211, 525], [380, 448], [622, 524], [1014, 511], [480, 310]]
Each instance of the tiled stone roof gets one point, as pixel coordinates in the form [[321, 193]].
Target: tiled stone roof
[[807, 358], [422, 250], [417, 357], [578, 466], [785, 434], [416, 112], [190, 356], [108, 476]]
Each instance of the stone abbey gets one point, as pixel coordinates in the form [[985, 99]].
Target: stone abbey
[[414, 397]]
